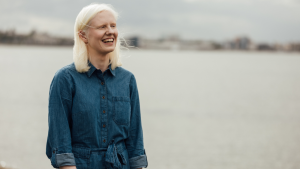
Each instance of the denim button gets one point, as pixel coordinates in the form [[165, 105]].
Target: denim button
[[103, 111], [103, 97], [104, 140], [103, 125], [53, 151], [102, 83]]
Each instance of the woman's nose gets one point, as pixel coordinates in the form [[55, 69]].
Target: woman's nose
[[110, 30]]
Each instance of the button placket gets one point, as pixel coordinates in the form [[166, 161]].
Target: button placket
[[103, 108]]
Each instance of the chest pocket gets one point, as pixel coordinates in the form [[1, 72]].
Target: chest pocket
[[121, 110]]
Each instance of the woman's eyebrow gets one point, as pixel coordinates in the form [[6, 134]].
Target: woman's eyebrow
[[97, 25], [104, 24]]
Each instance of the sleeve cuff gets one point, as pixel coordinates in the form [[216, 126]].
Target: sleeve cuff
[[63, 159], [138, 162]]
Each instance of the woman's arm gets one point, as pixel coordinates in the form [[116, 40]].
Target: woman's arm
[[134, 142], [59, 144], [68, 167]]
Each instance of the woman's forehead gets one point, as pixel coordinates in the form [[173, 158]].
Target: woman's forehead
[[103, 17]]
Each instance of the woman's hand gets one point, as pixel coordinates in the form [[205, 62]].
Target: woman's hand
[[68, 167]]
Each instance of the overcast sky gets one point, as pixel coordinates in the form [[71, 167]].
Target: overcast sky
[[261, 20]]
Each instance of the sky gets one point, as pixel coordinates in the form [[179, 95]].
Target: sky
[[269, 21]]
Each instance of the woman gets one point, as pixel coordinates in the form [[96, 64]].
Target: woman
[[94, 110]]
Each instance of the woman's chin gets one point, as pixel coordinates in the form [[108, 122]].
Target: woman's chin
[[103, 50], [108, 50]]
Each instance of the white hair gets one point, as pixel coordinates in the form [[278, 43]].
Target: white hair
[[80, 52]]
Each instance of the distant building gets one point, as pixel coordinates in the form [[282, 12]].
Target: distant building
[[239, 43], [244, 43], [264, 47], [295, 47], [172, 42], [132, 41]]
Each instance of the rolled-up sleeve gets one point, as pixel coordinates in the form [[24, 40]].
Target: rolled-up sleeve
[[134, 142], [59, 145]]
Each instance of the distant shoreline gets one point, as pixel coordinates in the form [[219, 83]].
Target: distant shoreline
[[143, 49], [173, 43]]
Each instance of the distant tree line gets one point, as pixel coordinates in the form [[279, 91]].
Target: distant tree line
[[33, 38]]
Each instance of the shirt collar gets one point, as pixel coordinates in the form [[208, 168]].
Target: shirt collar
[[92, 69]]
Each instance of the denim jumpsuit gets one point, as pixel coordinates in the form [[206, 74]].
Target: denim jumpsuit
[[94, 120]]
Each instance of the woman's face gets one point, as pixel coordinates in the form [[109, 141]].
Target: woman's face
[[103, 33]]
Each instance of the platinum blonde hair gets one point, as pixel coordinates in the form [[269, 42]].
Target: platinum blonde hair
[[80, 52]]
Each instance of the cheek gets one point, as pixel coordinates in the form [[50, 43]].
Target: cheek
[[96, 35], [116, 33]]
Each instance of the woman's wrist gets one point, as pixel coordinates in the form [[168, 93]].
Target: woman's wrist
[[68, 167]]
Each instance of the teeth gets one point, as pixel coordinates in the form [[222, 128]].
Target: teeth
[[108, 40]]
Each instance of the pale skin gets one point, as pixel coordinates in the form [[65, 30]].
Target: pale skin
[[102, 27]]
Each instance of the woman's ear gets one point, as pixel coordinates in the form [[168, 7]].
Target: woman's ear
[[82, 36]]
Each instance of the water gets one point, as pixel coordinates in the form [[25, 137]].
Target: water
[[208, 110]]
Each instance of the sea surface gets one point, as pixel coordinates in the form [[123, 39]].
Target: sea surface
[[200, 109]]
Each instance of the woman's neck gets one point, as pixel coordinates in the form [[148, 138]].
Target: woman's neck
[[100, 61]]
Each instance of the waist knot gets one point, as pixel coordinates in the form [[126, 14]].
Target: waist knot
[[113, 158]]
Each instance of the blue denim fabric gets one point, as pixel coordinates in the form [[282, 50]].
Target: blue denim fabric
[[95, 120]]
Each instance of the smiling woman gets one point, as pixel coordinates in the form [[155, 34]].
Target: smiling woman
[[94, 109], [102, 34], [93, 25]]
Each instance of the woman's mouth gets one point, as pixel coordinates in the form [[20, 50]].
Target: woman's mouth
[[108, 40]]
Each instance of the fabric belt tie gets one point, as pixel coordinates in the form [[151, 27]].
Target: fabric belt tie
[[114, 159]]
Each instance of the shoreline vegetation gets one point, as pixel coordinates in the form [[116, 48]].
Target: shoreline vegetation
[[173, 42]]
